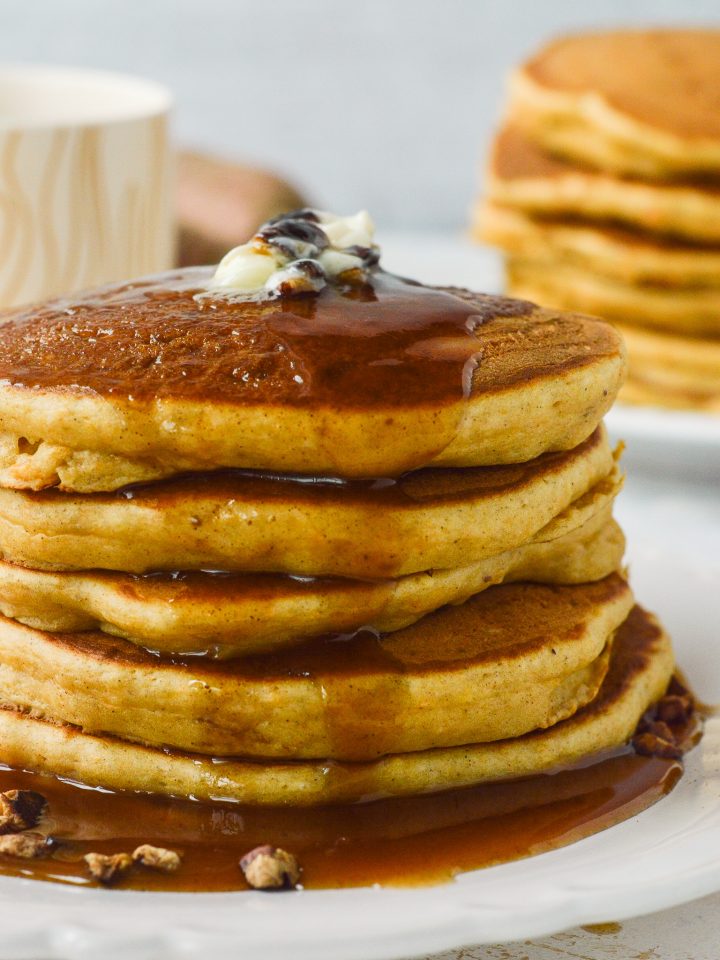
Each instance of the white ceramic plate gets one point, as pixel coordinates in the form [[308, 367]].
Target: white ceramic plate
[[667, 855], [684, 444]]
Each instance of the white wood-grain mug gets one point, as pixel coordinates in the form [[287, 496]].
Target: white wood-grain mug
[[85, 180]]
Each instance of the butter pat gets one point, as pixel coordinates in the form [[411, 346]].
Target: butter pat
[[357, 230], [245, 268], [335, 262], [297, 253]]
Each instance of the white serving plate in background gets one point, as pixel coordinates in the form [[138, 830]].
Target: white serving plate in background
[[668, 442]]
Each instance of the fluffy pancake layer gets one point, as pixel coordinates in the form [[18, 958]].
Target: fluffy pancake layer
[[617, 254], [637, 102], [236, 522], [694, 310], [137, 382], [521, 176], [640, 668], [507, 661], [673, 371], [227, 615]]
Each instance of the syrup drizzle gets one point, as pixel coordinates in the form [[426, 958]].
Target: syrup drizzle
[[407, 841], [400, 842], [388, 342]]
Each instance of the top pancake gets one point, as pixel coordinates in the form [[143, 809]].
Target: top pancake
[[140, 381], [640, 102]]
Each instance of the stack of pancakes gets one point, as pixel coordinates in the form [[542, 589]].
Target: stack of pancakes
[[313, 549], [604, 190]]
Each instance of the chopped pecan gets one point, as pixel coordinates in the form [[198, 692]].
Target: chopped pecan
[[108, 869], [659, 729], [650, 745], [270, 868], [27, 845], [675, 709], [20, 810], [157, 858]]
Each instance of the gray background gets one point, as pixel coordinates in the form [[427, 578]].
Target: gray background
[[384, 104]]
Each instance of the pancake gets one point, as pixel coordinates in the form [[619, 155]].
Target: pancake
[[523, 177], [510, 659], [241, 522], [672, 371], [226, 615], [641, 666], [142, 381], [694, 311], [641, 102], [612, 252]]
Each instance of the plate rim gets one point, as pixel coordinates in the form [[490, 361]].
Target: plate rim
[[362, 924], [683, 427]]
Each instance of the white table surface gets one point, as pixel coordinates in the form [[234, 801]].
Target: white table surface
[[690, 932]]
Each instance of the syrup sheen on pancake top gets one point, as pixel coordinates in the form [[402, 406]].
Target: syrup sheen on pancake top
[[363, 338], [297, 355]]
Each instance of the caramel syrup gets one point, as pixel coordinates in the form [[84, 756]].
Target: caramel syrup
[[387, 342], [399, 842], [390, 344]]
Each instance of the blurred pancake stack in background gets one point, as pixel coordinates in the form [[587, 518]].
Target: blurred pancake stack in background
[[603, 189]]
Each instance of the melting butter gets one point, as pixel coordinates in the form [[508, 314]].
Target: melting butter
[[298, 252]]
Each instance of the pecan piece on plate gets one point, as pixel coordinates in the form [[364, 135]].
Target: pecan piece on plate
[[157, 858], [20, 810], [108, 868], [270, 868], [26, 846]]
